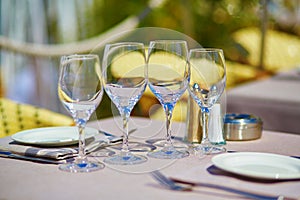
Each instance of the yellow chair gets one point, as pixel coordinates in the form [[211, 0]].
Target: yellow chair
[[15, 117]]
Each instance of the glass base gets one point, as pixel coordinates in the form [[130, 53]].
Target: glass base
[[125, 159], [162, 142], [168, 153], [209, 149], [81, 167], [136, 147]]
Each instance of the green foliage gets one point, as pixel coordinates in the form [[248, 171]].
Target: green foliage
[[104, 14], [208, 22]]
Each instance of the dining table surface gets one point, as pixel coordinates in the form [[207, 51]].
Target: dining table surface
[[28, 180], [276, 100]]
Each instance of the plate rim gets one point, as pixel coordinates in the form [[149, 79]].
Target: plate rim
[[16, 136], [216, 160]]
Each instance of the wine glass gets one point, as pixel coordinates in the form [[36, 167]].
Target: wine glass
[[80, 91], [207, 83], [124, 78], [168, 76]]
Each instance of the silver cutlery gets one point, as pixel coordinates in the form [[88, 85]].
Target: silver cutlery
[[180, 185], [95, 145], [111, 140], [111, 136]]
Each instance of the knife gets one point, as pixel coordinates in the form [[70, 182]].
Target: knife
[[114, 137], [112, 140]]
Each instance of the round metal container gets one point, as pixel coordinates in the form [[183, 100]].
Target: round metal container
[[239, 127]]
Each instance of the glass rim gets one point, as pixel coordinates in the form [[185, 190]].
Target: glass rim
[[170, 41], [80, 56], [124, 44], [206, 50]]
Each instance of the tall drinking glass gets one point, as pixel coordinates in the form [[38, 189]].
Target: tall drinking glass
[[124, 66], [80, 91], [168, 76], [207, 83]]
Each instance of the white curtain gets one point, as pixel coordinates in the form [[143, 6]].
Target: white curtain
[[29, 79]]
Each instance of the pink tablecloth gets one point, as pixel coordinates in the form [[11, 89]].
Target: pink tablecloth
[[27, 180], [276, 100]]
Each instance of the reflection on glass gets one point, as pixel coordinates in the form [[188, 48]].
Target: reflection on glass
[[207, 83], [168, 75], [124, 82], [80, 90]]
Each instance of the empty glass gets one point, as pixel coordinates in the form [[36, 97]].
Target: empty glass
[[168, 75], [80, 90], [207, 83], [124, 79]]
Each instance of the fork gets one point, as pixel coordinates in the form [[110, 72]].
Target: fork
[[179, 185]]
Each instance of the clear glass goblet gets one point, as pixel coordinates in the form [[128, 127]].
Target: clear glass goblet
[[207, 83], [124, 78], [168, 76], [80, 91]]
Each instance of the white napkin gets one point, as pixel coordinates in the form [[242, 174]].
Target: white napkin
[[52, 153], [56, 153]]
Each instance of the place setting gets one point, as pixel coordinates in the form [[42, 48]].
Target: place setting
[[82, 82], [256, 166], [156, 99], [56, 145], [259, 175], [168, 69]]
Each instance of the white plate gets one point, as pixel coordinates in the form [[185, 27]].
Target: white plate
[[52, 136], [259, 165]]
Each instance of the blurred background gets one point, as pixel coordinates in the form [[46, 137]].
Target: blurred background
[[259, 37]]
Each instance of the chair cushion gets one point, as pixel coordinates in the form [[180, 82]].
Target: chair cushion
[[15, 117]]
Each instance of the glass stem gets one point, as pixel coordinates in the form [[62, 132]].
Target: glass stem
[[81, 149], [168, 126], [205, 117], [125, 148]]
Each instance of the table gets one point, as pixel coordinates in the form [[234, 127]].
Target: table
[[276, 100], [28, 180]]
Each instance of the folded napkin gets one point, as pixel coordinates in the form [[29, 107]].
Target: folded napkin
[[59, 154], [15, 117], [51, 153]]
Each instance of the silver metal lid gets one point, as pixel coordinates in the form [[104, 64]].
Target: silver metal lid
[[238, 127]]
